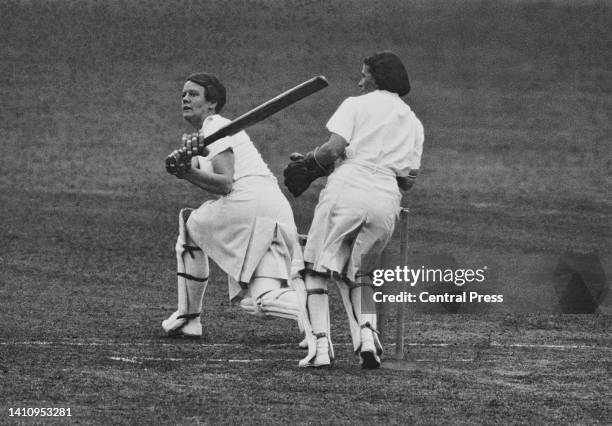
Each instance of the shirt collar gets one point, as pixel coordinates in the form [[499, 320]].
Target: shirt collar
[[386, 92], [209, 119]]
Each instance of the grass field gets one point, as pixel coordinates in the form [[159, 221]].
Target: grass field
[[515, 98]]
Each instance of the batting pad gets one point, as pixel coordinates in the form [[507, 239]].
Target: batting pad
[[272, 304], [247, 305], [296, 283], [192, 269], [313, 308], [285, 303], [354, 328], [355, 318]]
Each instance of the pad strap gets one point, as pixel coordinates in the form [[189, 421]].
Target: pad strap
[[334, 275], [188, 316], [316, 273], [351, 285], [319, 335], [368, 325], [190, 249], [283, 291], [191, 277], [278, 295], [316, 291], [185, 213]]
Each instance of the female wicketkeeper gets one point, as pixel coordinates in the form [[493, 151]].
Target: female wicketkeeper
[[376, 142]]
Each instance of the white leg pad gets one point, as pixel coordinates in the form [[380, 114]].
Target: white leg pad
[[272, 304], [192, 279], [273, 300], [368, 323], [296, 281], [285, 303], [297, 284], [362, 327], [247, 305], [354, 327], [315, 309], [318, 312]]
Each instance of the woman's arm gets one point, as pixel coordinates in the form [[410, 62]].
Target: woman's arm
[[331, 150], [404, 183], [335, 147], [221, 180], [303, 170]]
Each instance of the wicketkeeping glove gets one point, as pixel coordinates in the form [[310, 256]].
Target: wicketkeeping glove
[[302, 171]]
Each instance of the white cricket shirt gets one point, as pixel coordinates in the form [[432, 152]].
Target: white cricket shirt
[[380, 129], [247, 160]]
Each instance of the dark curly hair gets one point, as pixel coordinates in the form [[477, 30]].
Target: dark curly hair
[[214, 91], [388, 72]]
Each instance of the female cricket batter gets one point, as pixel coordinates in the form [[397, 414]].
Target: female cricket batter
[[249, 230], [378, 141]]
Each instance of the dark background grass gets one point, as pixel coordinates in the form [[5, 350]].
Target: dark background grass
[[515, 98]]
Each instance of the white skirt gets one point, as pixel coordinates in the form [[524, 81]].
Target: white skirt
[[249, 233], [354, 220]]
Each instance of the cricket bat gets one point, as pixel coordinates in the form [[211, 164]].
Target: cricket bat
[[263, 111]]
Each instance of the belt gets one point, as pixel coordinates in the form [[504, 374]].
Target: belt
[[374, 168]]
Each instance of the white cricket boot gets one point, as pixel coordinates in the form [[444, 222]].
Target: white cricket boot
[[185, 325], [371, 348], [322, 357]]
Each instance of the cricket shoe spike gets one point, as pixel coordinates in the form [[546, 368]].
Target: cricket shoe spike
[[183, 325], [322, 357], [371, 348]]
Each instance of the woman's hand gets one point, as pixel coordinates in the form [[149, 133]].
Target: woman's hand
[[407, 182], [178, 163], [194, 144]]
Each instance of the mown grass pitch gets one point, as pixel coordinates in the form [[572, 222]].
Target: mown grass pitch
[[509, 377], [515, 100]]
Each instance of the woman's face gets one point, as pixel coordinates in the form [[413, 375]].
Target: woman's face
[[367, 82], [195, 105]]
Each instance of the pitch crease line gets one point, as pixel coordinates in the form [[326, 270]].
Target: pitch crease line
[[140, 360], [292, 345]]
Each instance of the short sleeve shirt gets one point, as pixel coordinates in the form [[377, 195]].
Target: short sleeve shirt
[[380, 128], [247, 160]]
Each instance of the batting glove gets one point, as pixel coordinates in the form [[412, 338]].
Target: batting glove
[[178, 163], [194, 145]]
